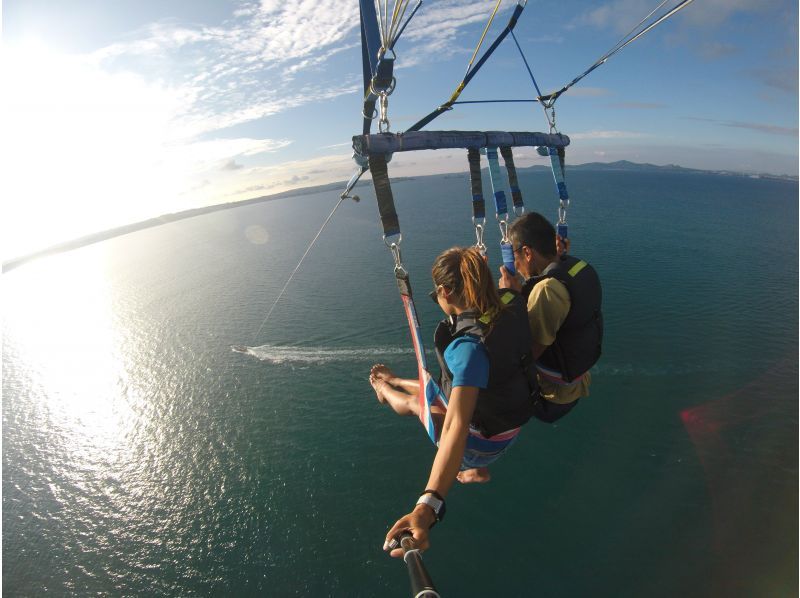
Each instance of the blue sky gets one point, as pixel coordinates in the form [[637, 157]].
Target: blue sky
[[117, 112]]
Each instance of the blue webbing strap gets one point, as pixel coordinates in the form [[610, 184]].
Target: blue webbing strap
[[559, 174], [513, 182], [370, 44], [501, 208], [512, 22], [497, 182], [530, 72]]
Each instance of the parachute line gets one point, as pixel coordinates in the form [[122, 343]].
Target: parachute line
[[551, 98], [297, 267]]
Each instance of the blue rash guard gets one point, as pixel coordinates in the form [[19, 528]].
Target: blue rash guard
[[468, 361]]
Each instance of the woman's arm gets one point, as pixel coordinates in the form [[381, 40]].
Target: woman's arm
[[445, 466]]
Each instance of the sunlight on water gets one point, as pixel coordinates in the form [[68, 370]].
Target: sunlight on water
[[155, 445], [64, 331]]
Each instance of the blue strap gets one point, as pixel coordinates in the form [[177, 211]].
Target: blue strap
[[512, 22], [370, 44], [557, 165], [497, 182], [501, 208], [507, 252], [559, 174], [538, 91]]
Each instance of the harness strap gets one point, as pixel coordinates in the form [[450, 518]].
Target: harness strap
[[429, 393], [478, 203], [559, 174], [501, 208], [497, 182], [513, 182], [383, 193]]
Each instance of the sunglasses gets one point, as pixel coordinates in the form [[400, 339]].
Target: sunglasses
[[434, 295]]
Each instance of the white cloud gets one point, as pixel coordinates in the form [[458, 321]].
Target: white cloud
[[607, 135], [623, 15], [588, 92]]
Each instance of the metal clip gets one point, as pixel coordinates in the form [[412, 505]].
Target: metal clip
[[562, 211], [503, 229], [394, 247], [479, 230], [551, 116], [383, 123]]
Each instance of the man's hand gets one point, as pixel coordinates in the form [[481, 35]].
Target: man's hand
[[418, 522], [509, 280], [562, 245]]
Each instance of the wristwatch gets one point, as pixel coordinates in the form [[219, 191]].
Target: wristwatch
[[435, 501]]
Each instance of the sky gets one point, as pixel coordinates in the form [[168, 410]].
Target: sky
[[116, 112]]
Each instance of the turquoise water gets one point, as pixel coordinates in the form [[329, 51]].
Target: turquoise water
[[141, 456]]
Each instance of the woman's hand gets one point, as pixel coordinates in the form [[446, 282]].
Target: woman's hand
[[418, 522]]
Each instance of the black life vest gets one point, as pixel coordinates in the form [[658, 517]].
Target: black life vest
[[507, 401], [579, 341]]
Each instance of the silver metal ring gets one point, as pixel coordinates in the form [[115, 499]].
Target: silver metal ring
[[389, 243]]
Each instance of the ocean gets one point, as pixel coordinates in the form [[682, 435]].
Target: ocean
[[142, 456]]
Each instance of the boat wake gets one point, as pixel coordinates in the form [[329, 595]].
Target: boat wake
[[317, 355]]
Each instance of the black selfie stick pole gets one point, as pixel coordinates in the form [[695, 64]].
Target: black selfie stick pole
[[421, 582]]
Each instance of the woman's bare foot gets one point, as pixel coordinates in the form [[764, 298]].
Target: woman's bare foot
[[378, 385], [382, 372], [480, 475]]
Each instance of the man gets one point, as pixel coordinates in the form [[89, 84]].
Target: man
[[564, 312]]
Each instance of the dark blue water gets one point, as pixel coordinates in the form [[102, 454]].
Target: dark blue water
[[141, 456]]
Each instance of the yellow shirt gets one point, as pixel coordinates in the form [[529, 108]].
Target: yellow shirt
[[548, 306]]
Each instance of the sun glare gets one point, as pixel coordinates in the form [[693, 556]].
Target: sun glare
[[62, 327], [83, 149]]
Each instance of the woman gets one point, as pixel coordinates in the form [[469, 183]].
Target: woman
[[483, 348]]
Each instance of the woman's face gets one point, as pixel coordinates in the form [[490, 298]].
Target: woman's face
[[441, 296]]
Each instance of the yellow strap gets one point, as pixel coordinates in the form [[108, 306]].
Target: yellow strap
[[460, 88], [506, 298], [576, 268]]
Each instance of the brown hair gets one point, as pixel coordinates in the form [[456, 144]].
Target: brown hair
[[464, 271]]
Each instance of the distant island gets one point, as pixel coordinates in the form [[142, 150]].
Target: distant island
[[619, 166]]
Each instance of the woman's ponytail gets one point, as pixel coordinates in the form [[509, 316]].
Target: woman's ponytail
[[465, 272]]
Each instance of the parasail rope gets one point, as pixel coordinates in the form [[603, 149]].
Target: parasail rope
[[551, 98], [297, 267]]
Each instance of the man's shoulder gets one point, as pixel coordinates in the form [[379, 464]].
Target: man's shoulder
[[549, 289]]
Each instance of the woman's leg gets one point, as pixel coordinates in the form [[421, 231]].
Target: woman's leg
[[382, 372], [401, 402]]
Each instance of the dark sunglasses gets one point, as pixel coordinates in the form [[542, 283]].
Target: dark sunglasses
[[434, 294]]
